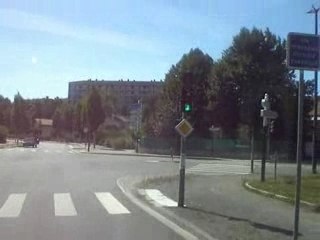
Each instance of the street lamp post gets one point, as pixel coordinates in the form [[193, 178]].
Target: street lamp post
[[211, 129], [315, 102]]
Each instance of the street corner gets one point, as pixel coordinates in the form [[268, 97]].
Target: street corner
[[143, 192], [146, 189], [209, 210]]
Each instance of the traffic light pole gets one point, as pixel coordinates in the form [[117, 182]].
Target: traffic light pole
[[268, 142], [263, 161], [182, 170]]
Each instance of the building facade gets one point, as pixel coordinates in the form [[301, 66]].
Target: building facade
[[45, 127], [135, 119], [128, 92]]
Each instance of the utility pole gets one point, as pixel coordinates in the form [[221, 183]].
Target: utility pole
[[211, 129], [315, 101], [252, 150]]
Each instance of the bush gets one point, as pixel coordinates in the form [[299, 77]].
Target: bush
[[114, 138], [3, 134], [121, 142]]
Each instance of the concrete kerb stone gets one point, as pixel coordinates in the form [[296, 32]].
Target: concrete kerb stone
[[276, 196], [178, 224], [126, 154], [176, 158]]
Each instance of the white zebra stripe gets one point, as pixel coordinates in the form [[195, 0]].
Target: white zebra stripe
[[111, 204], [12, 207]]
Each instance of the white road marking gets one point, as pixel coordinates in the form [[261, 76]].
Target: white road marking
[[111, 204], [21, 149], [46, 150], [161, 218], [12, 207], [33, 150], [58, 151], [219, 169], [159, 199], [70, 151], [63, 205]]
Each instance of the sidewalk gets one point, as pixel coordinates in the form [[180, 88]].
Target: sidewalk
[[131, 152], [10, 143], [220, 206]]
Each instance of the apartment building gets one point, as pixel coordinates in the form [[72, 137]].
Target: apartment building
[[128, 92]]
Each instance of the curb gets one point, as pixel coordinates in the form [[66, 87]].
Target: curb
[[164, 156], [172, 224], [127, 154], [276, 196]]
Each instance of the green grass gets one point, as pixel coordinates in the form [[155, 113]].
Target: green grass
[[285, 186]]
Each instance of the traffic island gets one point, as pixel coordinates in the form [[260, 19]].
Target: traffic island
[[284, 189]]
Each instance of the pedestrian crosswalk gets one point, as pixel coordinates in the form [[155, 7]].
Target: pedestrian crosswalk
[[218, 169], [12, 207], [63, 203], [111, 204]]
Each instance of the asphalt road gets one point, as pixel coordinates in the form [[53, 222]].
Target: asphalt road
[[56, 192]]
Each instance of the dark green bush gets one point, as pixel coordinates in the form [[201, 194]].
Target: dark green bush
[[3, 134], [121, 142]]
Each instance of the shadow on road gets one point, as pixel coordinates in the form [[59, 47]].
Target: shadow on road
[[252, 223]]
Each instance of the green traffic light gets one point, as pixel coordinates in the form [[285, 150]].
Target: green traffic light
[[187, 107]]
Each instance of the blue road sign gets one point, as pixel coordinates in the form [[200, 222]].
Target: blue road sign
[[303, 51]]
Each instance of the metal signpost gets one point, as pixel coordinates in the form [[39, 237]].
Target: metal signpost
[[303, 54], [184, 128], [315, 11]]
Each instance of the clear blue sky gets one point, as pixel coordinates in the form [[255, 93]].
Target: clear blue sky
[[45, 44]]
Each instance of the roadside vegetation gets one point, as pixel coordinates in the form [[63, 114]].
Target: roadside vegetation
[[3, 134], [285, 186]]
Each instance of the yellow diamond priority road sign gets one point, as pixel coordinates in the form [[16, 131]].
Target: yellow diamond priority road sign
[[184, 128]]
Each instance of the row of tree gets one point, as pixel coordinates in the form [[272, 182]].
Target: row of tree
[[18, 116], [99, 113], [69, 119], [227, 92]]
